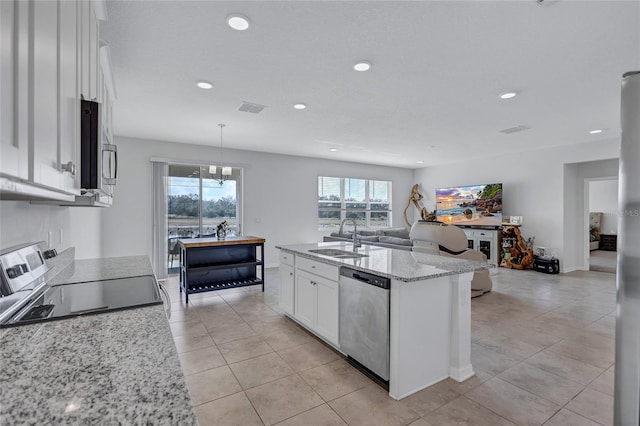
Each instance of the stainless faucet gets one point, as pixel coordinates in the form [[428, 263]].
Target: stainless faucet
[[356, 241]]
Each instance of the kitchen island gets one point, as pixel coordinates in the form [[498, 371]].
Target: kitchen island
[[429, 306], [210, 264], [119, 367]]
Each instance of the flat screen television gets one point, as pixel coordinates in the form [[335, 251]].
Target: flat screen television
[[471, 206]]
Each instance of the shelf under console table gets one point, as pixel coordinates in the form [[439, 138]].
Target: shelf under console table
[[209, 264]]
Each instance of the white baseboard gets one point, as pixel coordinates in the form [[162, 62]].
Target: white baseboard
[[461, 374]]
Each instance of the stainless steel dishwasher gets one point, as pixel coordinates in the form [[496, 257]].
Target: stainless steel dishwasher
[[364, 320]]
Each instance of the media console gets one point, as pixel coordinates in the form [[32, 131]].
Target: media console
[[486, 241]]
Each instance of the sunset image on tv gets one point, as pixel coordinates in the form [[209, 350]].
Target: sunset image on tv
[[473, 205]]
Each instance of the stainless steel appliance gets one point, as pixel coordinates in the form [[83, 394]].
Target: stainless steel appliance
[[98, 157], [627, 374], [364, 320], [26, 296]]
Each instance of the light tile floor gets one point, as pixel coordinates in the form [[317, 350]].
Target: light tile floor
[[542, 349]]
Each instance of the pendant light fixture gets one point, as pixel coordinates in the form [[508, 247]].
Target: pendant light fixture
[[225, 172]]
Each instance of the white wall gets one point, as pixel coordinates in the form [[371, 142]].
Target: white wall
[[22, 222], [603, 197], [533, 187], [279, 194]]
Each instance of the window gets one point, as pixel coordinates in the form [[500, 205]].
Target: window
[[366, 201], [197, 202]]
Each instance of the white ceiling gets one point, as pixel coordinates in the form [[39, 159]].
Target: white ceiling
[[432, 94]]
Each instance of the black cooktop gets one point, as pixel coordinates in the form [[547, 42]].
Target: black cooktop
[[70, 300]]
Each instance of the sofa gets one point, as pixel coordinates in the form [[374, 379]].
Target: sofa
[[397, 238]]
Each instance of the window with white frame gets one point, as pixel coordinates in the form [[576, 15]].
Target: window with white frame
[[365, 200]]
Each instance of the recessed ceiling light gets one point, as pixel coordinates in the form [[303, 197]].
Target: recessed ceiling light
[[362, 66], [595, 131], [300, 106], [204, 84], [238, 22], [508, 95], [333, 149], [420, 162]]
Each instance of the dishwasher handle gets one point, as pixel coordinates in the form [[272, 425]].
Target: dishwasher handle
[[367, 278], [357, 276]]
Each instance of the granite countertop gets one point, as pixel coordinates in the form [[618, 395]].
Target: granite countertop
[[399, 265], [109, 268], [120, 367]]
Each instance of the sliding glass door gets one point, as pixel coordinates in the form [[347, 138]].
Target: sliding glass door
[[197, 202]]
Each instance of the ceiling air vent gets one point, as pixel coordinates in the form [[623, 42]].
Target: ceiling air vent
[[250, 107], [519, 128]]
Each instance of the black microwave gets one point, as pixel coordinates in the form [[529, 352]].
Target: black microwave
[[98, 157]]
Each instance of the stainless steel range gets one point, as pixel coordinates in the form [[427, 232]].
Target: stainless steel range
[[26, 297]]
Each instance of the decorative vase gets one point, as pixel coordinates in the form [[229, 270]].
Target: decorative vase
[[221, 233]]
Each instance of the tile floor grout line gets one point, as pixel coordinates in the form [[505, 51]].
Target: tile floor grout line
[[542, 396]]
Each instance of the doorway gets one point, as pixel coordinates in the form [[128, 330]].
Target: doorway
[[603, 224], [197, 202]]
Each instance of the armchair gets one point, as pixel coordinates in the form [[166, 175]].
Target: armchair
[[449, 240]]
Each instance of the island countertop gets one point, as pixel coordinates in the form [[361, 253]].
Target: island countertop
[[401, 265], [213, 242], [120, 367]]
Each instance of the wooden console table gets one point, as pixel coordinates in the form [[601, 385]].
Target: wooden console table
[[209, 264]]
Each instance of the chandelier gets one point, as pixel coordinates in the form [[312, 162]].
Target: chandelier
[[225, 172]]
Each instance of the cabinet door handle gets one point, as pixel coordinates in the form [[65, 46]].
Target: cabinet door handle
[[313, 266], [290, 273], [313, 282], [69, 167]]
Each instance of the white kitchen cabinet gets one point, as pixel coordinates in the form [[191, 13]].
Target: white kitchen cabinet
[[13, 90], [69, 105], [287, 284], [50, 58], [317, 302], [84, 52], [94, 55], [327, 309], [44, 96], [305, 298]]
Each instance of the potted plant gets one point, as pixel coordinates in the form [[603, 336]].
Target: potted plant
[[222, 229]]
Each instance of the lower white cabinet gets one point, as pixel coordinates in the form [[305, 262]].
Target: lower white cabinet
[[309, 292], [317, 304], [287, 288], [327, 312], [306, 298]]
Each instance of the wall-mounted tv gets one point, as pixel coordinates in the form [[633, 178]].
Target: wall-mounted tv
[[471, 206]]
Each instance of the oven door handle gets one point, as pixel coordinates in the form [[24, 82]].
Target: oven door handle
[[166, 298]]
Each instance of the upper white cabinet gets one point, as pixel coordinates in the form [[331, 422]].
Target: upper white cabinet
[[14, 33], [50, 60], [44, 168], [69, 89]]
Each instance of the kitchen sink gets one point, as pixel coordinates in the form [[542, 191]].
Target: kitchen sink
[[339, 254]]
